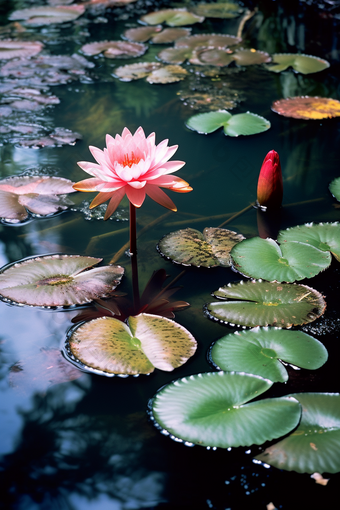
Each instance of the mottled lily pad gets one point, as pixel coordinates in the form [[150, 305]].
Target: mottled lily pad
[[314, 445], [233, 125], [305, 64], [167, 74], [46, 15], [308, 108], [323, 236], [208, 41], [213, 409], [141, 34], [115, 49], [58, 281], [258, 303], [175, 55], [110, 347], [38, 195], [334, 188], [224, 57], [172, 17], [249, 57], [14, 49], [136, 71], [259, 351], [289, 262], [190, 247], [156, 34], [170, 35], [223, 10]]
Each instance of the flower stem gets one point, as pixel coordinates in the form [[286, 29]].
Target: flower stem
[[133, 255]]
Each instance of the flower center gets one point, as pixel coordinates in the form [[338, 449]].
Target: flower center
[[130, 159]]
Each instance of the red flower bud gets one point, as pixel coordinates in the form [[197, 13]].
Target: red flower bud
[[270, 186]]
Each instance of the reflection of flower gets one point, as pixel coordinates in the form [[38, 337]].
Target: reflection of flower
[[269, 186], [133, 165]]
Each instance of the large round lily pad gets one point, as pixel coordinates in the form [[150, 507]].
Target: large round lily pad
[[307, 108], [58, 281], [289, 262], [214, 409], [324, 236], [190, 247], [111, 347], [233, 125], [257, 303], [314, 445], [259, 351], [305, 64]]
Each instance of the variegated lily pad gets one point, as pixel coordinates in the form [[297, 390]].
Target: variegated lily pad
[[222, 10], [14, 49], [323, 236], [305, 64], [172, 17], [154, 72], [110, 347], [190, 247], [308, 108], [257, 303], [46, 15], [115, 49], [39, 195], [58, 281]]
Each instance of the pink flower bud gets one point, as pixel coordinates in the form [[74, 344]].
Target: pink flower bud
[[269, 186]]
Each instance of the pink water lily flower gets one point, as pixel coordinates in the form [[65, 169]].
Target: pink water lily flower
[[133, 165]]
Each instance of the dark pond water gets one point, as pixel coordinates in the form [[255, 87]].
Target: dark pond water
[[70, 442]]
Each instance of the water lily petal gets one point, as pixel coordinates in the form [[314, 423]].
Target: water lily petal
[[114, 203], [135, 196], [88, 184], [160, 197]]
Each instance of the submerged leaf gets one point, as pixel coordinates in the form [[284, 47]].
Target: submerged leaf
[[305, 64], [172, 17], [109, 346], [314, 445], [258, 303], [308, 108], [213, 409], [190, 247], [233, 125], [259, 351], [58, 280]]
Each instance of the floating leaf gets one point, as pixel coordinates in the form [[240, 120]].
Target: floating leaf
[[308, 108], [156, 34], [257, 303], [58, 280], [136, 71], [233, 125], [169, 35], [249, 57], [223, 10], [115, 49], [175, 55], [39, 195], [213, 409], [46, 15], [190, 247], [109, 346], [334, 188], [323, 236], [314, 445], [212, 56], [264, 258], [208, 41], [15, 49], [259, 351], [167, 74], [172, 17], [305, 64], [141, 34]]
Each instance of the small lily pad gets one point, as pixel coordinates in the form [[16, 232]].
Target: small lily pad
[[111, 347], [47, 15], [307, 108], [175, 55], [323, 236], [258, 303], [190, 247], [249, 57], [58, 281], [172, 17], [290, 262], [314, 445], [136, 71], [222, 10], [208, 41], [334, 188], [167, 74], [214, 410], [14, 49], [233, 125], [170, 35], [115, 49], [259, 351], [141, 34], [305, 64]]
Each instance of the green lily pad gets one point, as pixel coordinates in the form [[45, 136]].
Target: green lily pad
[[174, 55], [264, 258], [233, 125], [324, 236], [110, 347], [214, 410], [222, 10], [334, 188], [305, 64], [314, 445], [172, 17], [257, 303], [259, 351], [58, 281], [190, 247], [250, 57]]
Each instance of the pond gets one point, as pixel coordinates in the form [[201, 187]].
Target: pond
[[79, 440]]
